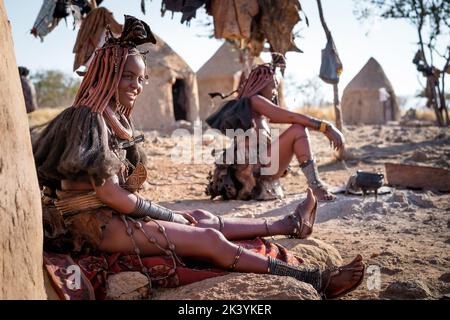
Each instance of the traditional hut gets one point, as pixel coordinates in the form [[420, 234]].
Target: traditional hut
[[171, 92], [370, 98], [221, 73]]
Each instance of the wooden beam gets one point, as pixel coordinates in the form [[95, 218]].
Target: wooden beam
[[418, 177]]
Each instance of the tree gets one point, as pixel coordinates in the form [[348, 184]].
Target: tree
[[54, 88], [430, 17]]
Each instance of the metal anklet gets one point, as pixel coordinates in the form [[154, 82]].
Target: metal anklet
[[236, 258]]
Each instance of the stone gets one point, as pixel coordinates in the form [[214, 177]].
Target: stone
[[419, 156], [398, 197], [21, 232], [242, 286], [407, 289], [421, 200], [314, 252], [445, 277], [127, 286]]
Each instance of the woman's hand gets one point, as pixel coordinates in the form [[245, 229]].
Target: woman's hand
[[335, 136], [184, 218]]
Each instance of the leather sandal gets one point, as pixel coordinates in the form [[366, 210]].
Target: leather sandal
[[303, 228]]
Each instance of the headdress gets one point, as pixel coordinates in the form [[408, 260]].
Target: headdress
[[100, 84]]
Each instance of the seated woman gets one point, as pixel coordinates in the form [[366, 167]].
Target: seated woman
[[256, 101], [90, 168]]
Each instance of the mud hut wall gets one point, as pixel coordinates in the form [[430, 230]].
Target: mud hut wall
[[362, 107], [21, 232], [217, 83], [154, 106]]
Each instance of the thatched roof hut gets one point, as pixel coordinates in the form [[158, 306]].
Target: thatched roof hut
[[221, 73], [171, 93], [370, 98]]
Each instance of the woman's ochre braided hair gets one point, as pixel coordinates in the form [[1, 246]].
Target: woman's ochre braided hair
[[261, 76]]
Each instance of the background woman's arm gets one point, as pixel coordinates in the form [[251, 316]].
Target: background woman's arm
[[276, 114]]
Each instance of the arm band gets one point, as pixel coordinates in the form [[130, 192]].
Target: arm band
[[323, 126], [145, 208]]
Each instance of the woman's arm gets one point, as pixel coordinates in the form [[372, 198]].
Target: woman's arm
[[265, 107], [123, 201], [116, 197], [276, 114]]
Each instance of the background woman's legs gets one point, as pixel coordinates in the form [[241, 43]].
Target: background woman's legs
[[295, 141]]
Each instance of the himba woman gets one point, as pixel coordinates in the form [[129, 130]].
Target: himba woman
[[88, 166], [256, 102]]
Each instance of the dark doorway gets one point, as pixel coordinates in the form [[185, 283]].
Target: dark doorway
[[179, 100]]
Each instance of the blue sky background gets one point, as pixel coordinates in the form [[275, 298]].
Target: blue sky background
[[392, 43]]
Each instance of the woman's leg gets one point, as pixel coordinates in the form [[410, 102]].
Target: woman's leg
[[203, 243], [248, 228], [211, 245], [295, 141]]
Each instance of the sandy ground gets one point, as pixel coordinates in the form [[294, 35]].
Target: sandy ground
[[404, 236]]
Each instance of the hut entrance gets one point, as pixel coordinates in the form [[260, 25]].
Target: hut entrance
[[179, 100], [387, 105]]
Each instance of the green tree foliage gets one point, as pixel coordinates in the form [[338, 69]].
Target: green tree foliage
[[54, 88]]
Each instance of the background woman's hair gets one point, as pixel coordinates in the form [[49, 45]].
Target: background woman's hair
[[257, 80]]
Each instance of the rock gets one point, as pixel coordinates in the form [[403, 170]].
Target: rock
[[183, 124], [399, 197], [409, 289], [339, 208], [242, 286], [390, 271], [419, 156], [314, 252], [127, 286], [445, 277], [421, 200], [435, 261]]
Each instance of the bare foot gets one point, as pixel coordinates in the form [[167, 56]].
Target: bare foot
[[322, 194], [302, 220], [347, 279]]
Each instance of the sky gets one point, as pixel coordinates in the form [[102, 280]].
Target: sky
[[391, 42]]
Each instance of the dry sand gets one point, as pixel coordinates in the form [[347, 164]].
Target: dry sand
[[404, 236]]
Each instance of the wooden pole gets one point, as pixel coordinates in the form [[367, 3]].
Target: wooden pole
[[337, 107]]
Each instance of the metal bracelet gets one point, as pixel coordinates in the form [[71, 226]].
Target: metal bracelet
[[311, 173], [145, 208]]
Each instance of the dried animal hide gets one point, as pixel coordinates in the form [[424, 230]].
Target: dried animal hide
[[187, 7], [233, 18], [275, 22], [242, 182], [45, 22], [90, 33]]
